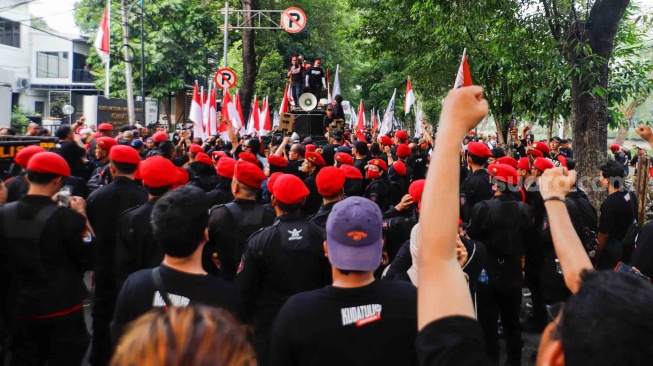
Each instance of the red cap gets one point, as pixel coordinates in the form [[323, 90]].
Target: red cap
[[289, 189], [160, 137], [277, 160], [351, 172], [226, 167], [401, 135], [537, 153], [504, 173], [415, 191], [479, 149], [182, 177], [344, 158], [508, 160], [124, 154], [294, 58], [543, 147], [386, 141], [314, 158], [49, 163], [403, 151], [542, 164], [399, 168], [310, 147], [273, 179], [105, 127], [614, 147], [195, 148], [106, 143], [219, 154], [249, 174], [202, 158], [248, 157], [330, 181], [523, 163], [26, 153], [158, 172], [378, 162]]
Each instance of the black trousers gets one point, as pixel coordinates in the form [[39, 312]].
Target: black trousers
[[60, 340], [104, 303], [506, 280]]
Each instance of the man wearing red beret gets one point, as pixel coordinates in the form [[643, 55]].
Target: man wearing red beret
[[378, 189], [353, 181], [42, 264], [276, 164], [330, 184], [313, 162], [104, 207], [231, 224], [221, 194], [17, 187], [101, 176], [205, 177], [343, 158], [281, 260], [476, 187]]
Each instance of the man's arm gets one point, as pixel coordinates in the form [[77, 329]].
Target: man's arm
[[569, 249], [440, 272]]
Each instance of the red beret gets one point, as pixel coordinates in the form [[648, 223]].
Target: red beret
[[106, 143], [226, 167], [386, 140], [105, 127], [158, 172], [49, 163], [289, 189], [314, 158], [504, 173], [403, 151], [26, 153], [615, 147], [273, 179], [537, 153], [160, 137], [182, 176], [249, 157], [542, 164], [563, 160], [378, 162], [249, 174], [344, 158], [508, 160], [479, 149], [219, 154], [399, 168], [277, 160], [351, 172], [524, 163], [137, 173], [330, 181], [401, 135], [543, 147], [195, 148], [124, 154], [310, 147], [202, 158], [415, 191]]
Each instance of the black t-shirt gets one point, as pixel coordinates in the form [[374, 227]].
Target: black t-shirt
[[139, 294], [296, 73], [642, 257], [617, 214], [73, 154], [454, 340], [369, 325], [315, 75]]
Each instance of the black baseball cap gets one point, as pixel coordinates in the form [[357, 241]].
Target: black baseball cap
[[336, 135], [556, 139]]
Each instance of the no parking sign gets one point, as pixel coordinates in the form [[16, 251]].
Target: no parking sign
[[225, 78]]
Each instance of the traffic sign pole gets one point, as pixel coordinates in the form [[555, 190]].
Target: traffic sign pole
[[226, 32]]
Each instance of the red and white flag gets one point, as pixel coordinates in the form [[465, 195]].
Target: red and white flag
[[464, 77], [410, 97], [254, 115], [375, 121], [284, 108], [213, 113], [265, 122], [291, 100], [236, 112], [223, 130], [101, 42], [361, 122], [195, 113]]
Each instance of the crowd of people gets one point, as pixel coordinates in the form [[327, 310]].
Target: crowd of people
[[384, 250]]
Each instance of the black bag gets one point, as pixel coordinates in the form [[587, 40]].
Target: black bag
[[588, 235], [633, 229]]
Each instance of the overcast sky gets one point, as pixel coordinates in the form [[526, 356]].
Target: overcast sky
[[59, 14]]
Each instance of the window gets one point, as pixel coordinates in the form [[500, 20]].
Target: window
[[9, 33], [39, 107], [52, 64]]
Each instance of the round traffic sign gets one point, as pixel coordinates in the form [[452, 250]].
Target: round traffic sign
[[293, 20], [225, 78]]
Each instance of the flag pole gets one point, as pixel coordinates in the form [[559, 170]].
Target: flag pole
[[108, 63]]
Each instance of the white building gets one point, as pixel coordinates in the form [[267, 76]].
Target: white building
[[39, 69]]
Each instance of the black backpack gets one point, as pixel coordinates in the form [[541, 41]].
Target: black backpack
[[589, 217], [508, 241]]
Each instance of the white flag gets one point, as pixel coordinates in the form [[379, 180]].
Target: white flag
[[336, 82], [419, 116], [388, 117]]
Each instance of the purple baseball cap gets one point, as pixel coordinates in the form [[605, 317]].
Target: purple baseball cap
[[355, 235]]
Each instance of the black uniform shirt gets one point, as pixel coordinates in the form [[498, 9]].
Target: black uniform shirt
[[17, 187], [221, 193], [617, 214], [454, 340], [378, 191], [328, 153], [314, 199], [322, 215]]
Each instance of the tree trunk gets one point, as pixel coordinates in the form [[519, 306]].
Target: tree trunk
[[249, 60], [620, 137], [566, 128]]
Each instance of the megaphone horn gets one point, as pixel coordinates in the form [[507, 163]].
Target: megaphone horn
[[307, 102]]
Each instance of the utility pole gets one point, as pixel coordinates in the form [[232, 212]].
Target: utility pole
[[128, 65], [143, 58]]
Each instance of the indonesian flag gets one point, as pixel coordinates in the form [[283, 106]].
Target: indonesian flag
[[265, 123], [284, 108], [410, 97], [223, 130], [101, 42], [375, 121], [361, 122], [254, 115], [205, 110], [195, 114], [213, 113], [237, 119], [290, 98], [464, 77]]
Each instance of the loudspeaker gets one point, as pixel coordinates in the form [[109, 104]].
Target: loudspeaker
[[307, 102], [308, 124]]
